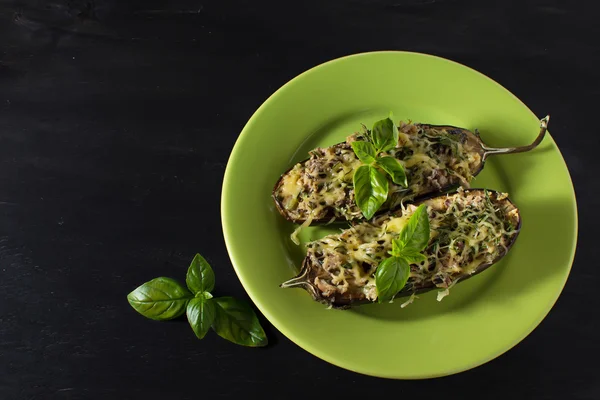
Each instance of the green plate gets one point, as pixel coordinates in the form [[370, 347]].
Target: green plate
[[482, 317]]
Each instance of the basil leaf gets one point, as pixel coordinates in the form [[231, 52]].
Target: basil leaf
[[204, 295], [236, 321], [415, 235], [413, 258], [160, 299], [201, 315], [390, 277], [370, 189], [200, 276], [364, 151], [384, 135], [394, 169]]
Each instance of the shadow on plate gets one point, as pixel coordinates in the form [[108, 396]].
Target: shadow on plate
[[495, 170]]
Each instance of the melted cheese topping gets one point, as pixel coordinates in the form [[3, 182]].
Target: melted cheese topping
[[322, 187], [466, 232]]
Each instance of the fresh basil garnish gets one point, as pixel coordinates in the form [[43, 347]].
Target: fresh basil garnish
[[413, 258], [393, 272], [204, 295], [236, 321], [394, 169], [160, 299], [415, 235], [365, 151], [370, 189], [200, 276], [390, 277], [368, 180], [384, 135], [201, 315], [164, 298]]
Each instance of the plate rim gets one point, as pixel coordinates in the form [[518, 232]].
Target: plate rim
[[307, 346]]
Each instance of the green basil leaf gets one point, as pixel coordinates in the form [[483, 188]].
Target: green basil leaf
[[397, 247], [384, 135], [370, 189], [414, 258], [415, 235], [364, 151], [394, 169], [390, 277], [201, 315], [160, 299], [204, 295], [200, 276], [236, 321]]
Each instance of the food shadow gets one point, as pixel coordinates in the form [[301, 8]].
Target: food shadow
[[496, 174]]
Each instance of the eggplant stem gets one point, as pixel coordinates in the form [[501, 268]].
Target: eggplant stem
[[298, 281], [302, 281], [491, 151]]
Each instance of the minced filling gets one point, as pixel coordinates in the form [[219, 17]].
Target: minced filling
[[467, 230], [322, 187]]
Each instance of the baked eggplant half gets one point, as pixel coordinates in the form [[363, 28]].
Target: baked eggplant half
[[436, 159], [470, 230]]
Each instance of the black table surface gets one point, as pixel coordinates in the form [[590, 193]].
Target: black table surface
[[116, 122]]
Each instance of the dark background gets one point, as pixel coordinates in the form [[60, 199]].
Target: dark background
[[116, 122]]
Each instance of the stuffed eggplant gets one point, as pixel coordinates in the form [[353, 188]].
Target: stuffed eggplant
[[436, 159], [470, 230]]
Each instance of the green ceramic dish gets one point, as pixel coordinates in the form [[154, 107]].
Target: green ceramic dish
[[484, 316]]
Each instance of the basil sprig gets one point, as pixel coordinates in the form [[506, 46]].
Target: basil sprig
[[370, 184], [393, 272], [164, 298]]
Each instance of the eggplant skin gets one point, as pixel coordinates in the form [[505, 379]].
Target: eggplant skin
[[310, 270]]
